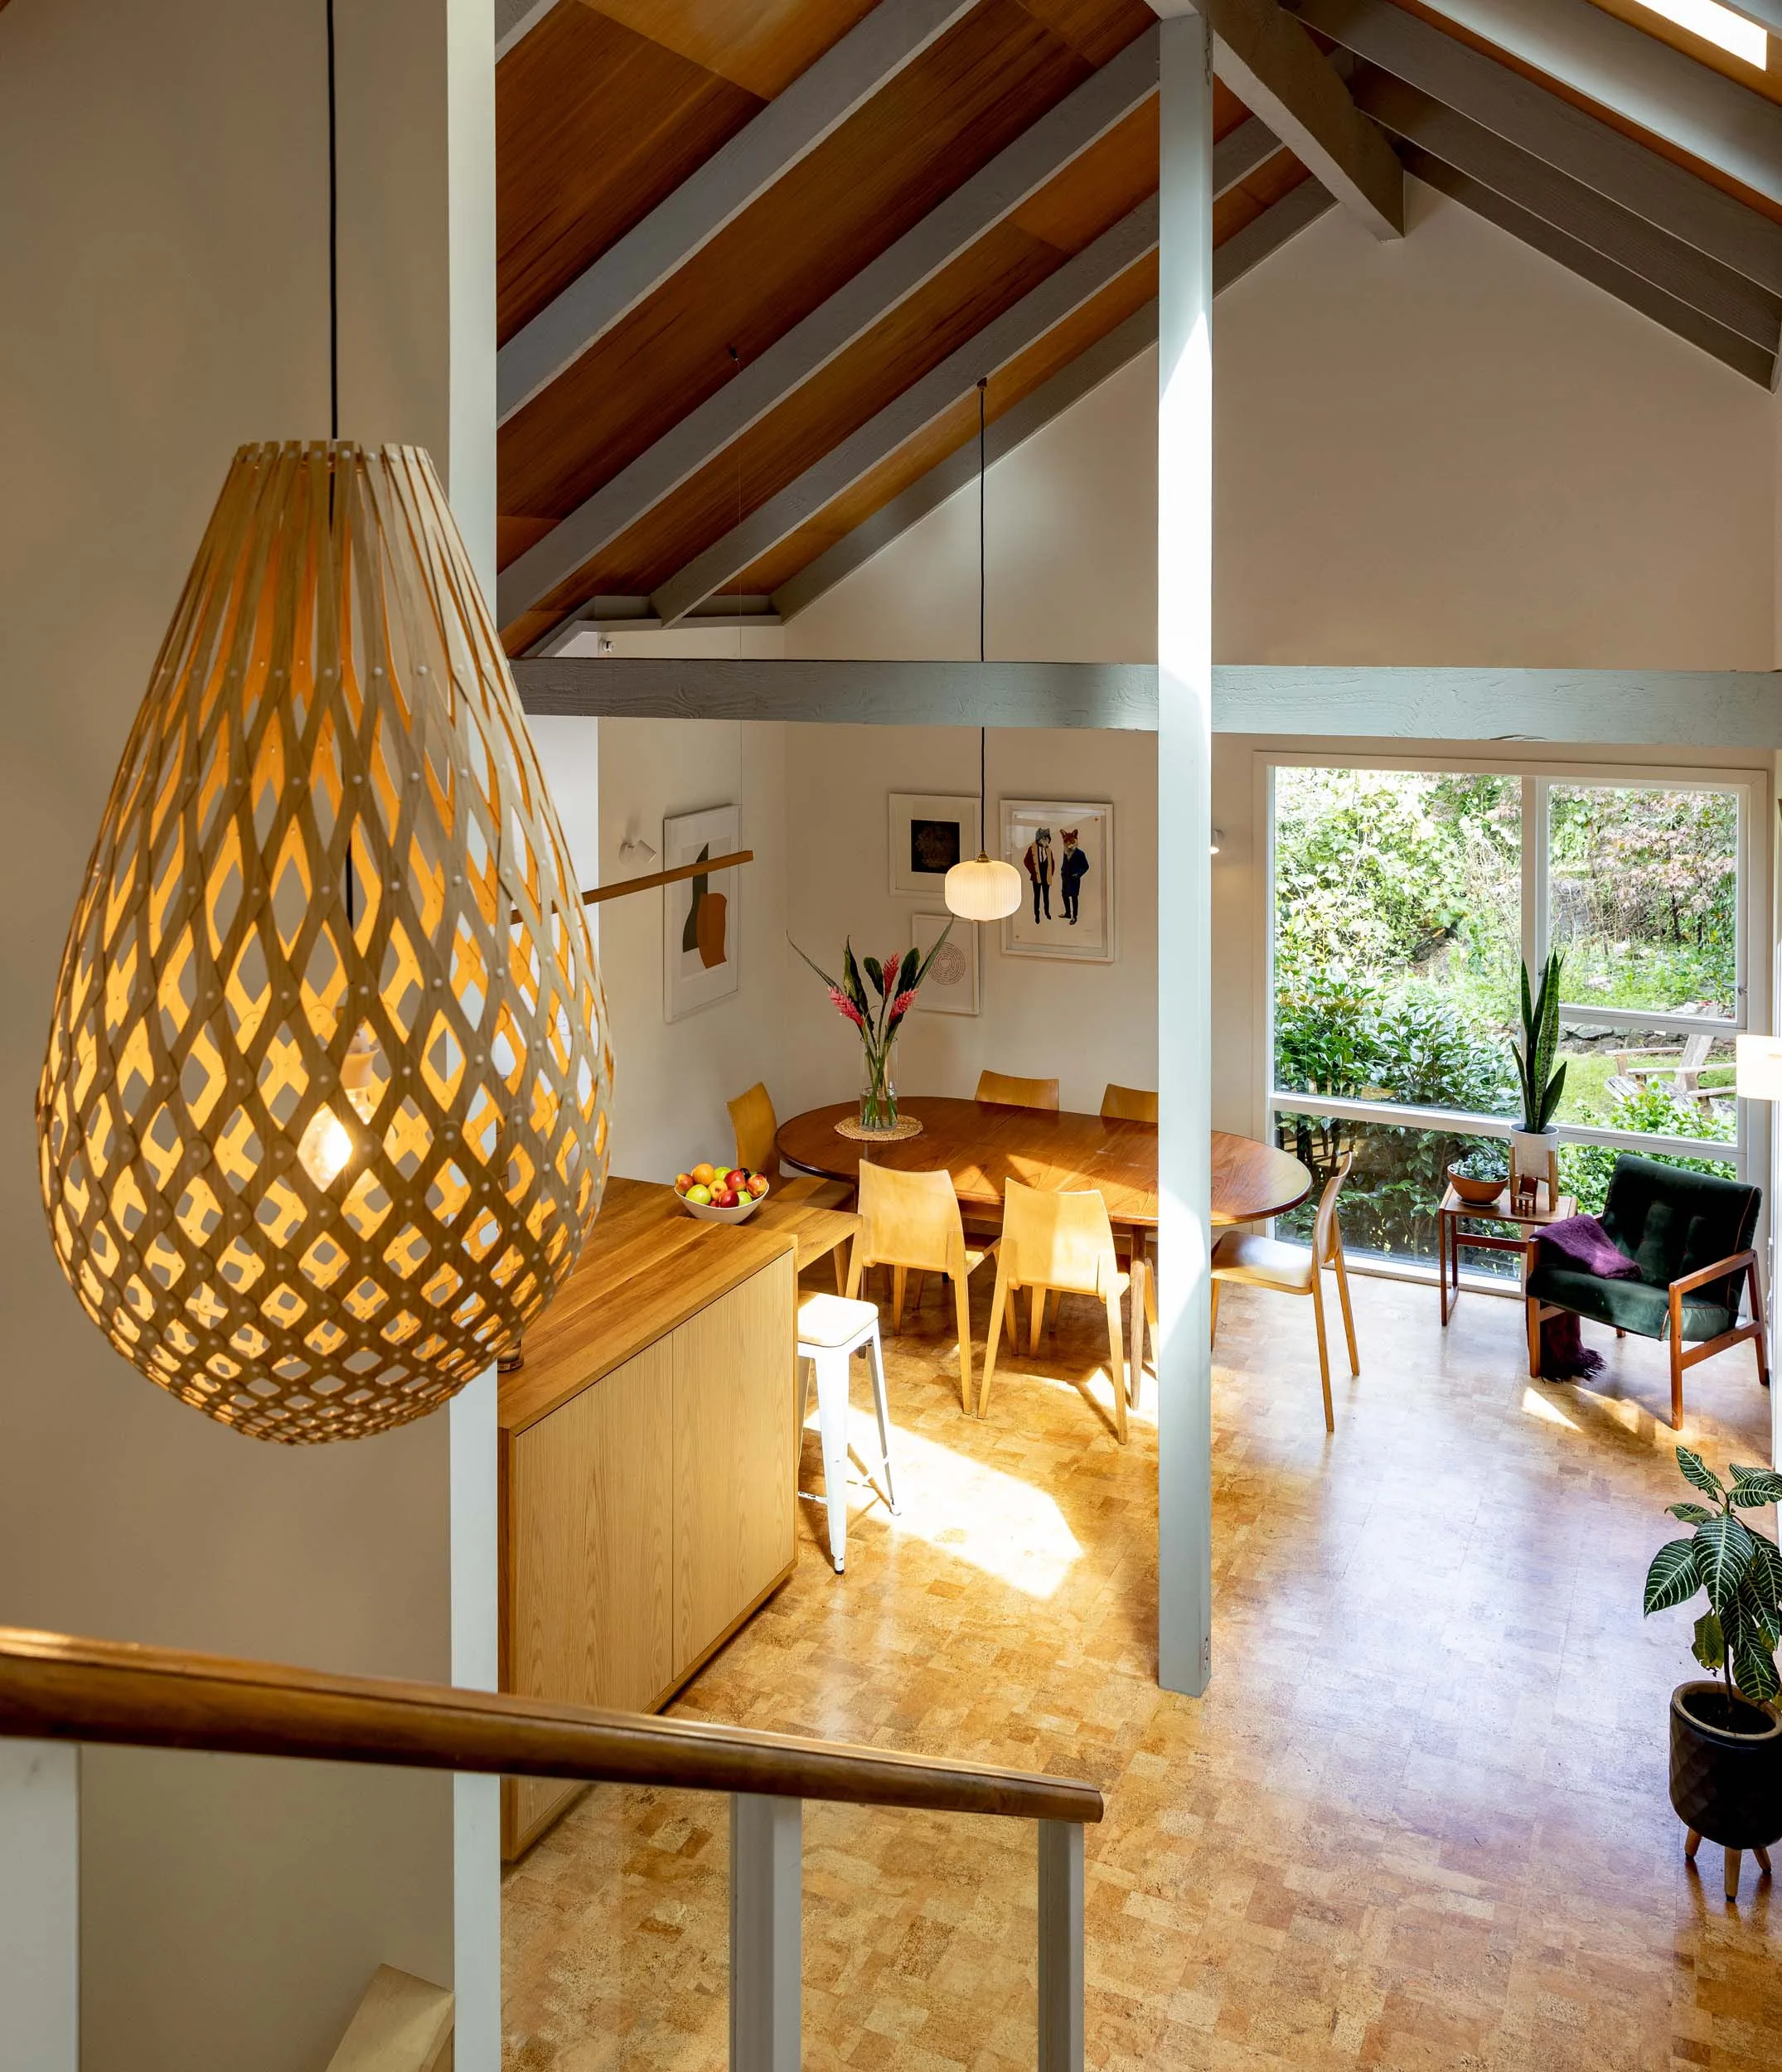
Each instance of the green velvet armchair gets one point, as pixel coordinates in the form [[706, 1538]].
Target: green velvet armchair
[[1690, 1235]]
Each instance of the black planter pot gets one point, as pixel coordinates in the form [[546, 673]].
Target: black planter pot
[[1726, 1773]]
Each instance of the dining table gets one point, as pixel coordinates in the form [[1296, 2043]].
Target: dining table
[[982, 1144]]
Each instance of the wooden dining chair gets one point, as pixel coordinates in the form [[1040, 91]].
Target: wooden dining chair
[[757, 1131], [1009, 1092], [910, 1222], [1063, 1242], [1129, 1104], [1257, 1261]]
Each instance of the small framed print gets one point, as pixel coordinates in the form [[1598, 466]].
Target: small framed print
[[700, 916], [952, 985], [1064, 851], [928, 836]]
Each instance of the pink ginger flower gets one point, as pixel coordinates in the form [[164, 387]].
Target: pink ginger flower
[[901, 1006], [843, 1005]]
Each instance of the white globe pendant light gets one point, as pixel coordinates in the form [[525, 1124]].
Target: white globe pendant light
[[986, 889]]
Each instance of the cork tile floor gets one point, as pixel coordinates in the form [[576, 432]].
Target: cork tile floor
[[1419, 1821]]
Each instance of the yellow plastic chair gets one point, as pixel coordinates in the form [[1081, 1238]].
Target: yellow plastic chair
[[1129, 1104], [1064, 1243], [757, 1129], [1017, 1093], [910, 1222], [1257, 1262]]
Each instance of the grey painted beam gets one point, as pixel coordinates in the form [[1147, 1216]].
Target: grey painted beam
[[1732, 709], [1000, 340], [787, 130], [1567, 137], [1640, 78], [1088, 371], [1757, 363], [1279, 73], [1732, 301], [1099, 363], [514, 20], [1038, 155]]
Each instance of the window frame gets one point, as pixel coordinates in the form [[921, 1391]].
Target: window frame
[[1748, 1150]]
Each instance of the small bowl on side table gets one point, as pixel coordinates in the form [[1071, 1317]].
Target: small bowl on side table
[[1478, 1193]]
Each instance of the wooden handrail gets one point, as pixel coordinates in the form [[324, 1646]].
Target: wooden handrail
[[53, 1688]]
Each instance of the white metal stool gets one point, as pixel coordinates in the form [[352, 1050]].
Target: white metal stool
[[830, 1331]]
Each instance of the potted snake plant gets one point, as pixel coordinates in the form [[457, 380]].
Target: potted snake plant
[[1541, 1075], [1725, 1735]]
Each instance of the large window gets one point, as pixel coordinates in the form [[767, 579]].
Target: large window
[[1402, 904]]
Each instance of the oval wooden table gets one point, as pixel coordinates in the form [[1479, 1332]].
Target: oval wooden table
[[983, 1144]]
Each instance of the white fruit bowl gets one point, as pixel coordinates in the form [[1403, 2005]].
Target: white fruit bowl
[[709, 1212]]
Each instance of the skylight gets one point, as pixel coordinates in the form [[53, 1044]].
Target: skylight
[[1719, 26]]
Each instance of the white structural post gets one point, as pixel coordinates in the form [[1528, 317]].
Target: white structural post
[[1061, 1961], [766, 1932], [1185, 837], [39, 1906]]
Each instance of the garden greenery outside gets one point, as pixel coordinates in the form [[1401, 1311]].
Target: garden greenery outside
[[1397, 958]]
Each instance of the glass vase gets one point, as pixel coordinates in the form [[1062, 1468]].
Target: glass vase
[[878, 1092]]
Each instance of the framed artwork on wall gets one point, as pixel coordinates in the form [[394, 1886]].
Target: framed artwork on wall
[[1064, 851], [928, 836], [952, 985], [700, 914]]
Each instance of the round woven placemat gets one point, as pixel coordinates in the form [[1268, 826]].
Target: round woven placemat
[[906, 1125]]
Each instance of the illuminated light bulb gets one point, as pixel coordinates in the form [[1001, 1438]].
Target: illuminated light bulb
[[326, 1146], [982, 891]]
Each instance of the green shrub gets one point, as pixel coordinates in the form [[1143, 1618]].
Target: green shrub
[[1585, 1169]]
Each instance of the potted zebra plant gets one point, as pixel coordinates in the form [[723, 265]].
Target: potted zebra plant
[[1541, 1076], [1726, 1736]]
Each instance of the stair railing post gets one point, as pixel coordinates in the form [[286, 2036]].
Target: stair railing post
[[766, 1932], [1061, 1965]]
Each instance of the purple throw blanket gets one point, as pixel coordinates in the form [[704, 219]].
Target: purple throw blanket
[[1581, 1243]]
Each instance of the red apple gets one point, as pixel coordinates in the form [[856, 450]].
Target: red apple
[[758, 1185], [724, 1198], [737, 1176], [683, 1181]]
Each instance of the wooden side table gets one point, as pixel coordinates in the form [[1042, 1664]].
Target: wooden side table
[[1450, 1237]]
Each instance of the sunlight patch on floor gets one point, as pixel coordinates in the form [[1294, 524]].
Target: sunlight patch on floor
[[1534, 1404], [998, 1523]]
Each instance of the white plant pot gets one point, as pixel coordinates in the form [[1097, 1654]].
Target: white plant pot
[[1530, 1151]]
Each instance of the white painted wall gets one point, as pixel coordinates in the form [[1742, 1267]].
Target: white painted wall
[[614, 780], [1445, 450], [162, 268], [1080, 1023]]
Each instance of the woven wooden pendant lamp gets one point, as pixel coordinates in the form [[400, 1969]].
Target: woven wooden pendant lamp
[[323, 1120]]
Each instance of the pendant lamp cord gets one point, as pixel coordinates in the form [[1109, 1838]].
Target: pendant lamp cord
[[983, 584], [334, 314]]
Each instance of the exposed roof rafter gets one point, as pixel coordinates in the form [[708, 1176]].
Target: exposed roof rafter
[[1000, 342], [1267, 58], [1037, 155], [1639, 78], [1100, 362], [788, 129], [1734, 303], [1625, 285], [1552, 129]]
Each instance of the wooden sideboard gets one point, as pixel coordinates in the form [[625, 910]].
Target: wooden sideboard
[[648, 1450]]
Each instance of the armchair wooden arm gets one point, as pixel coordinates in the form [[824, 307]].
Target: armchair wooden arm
[[1720, 1271], [1745, 1262]]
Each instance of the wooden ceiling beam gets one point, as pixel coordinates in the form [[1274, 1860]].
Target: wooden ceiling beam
[[1735, 303], [1552, 129], [1000, 342], [1274, 68], [1036, 156], [1751, 361], [788, 129], [1639, 78], [1098, 363]]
